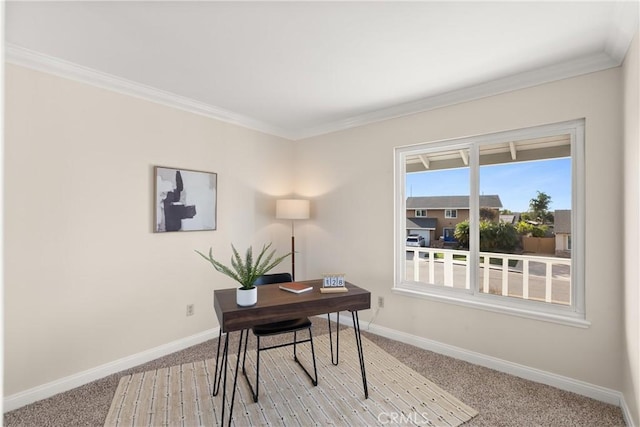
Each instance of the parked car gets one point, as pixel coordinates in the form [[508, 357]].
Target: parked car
[[416, 240]]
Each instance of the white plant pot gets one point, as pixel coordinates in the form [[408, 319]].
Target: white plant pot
[[246, 297]]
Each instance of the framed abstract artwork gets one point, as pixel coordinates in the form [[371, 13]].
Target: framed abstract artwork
[[185, 200]]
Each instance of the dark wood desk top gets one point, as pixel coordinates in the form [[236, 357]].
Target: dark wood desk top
[[275, 305]]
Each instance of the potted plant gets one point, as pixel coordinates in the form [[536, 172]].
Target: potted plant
[[246, 271]]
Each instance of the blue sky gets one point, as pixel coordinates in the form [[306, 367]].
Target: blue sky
[[515, 183]]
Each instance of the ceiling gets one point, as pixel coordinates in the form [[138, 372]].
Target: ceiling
[[299, 69]]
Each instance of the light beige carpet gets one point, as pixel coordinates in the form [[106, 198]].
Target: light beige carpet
[[181, 395]]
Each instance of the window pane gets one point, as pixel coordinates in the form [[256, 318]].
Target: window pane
[[495, 221], [438, 186], [525, 219]]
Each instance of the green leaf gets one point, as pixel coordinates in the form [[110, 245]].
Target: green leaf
[[246, 271]]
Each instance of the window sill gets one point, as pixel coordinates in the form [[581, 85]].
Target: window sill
[[511, 309]]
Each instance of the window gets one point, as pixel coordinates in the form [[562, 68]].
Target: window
[[497, 249], [421, 212]]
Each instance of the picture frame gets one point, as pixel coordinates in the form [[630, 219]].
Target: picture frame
[[184, 200]]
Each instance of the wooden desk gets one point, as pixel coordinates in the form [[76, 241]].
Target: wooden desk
[[276, 305]]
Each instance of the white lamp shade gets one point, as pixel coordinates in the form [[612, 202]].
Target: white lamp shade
[[292, 209]]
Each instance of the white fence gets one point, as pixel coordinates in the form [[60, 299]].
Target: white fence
[[533, 277]]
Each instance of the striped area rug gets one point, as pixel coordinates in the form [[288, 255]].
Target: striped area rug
[[181, 395]]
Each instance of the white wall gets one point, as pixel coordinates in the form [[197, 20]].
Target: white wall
[[86, 281], [631, 232], [349, 174]]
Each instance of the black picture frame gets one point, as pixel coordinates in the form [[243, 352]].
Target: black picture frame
[[184, 200]]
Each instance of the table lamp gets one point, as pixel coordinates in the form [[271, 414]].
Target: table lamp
[[292, 209]]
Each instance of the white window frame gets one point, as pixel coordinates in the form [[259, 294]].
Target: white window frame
[[574, 314], [448, 213], [422, 213]]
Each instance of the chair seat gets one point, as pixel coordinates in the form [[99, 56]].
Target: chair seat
[[282, 327]]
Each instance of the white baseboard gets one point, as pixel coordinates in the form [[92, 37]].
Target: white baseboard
[[626, 412], [593, 391], [44, 391], [564, 383]]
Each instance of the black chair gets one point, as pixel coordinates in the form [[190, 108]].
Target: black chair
[[278, 328]]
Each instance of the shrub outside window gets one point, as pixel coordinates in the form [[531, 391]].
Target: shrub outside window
[[506, 233]]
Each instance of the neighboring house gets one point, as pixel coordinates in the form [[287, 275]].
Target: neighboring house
[[562, 229], [424, 227], [512, 218], [438, 216]]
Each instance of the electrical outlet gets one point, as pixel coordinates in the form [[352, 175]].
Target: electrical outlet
[[190, 310], [381, 302]]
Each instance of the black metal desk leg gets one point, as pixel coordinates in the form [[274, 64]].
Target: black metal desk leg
[[356, 328], [224, 368], [235, 377], [218, 374], [337, 356]]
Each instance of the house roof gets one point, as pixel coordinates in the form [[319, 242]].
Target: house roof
[[451, 202], [510, 218], [422, 223], [562, 221]]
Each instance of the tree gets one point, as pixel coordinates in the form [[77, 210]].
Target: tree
[[530, 230], [461, 233], [494, 237], [539, 207], [487, 214], [506, 237]]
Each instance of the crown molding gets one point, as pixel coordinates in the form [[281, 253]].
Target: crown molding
[[40, 62], [584, 65], [623, 26], [573, 68]]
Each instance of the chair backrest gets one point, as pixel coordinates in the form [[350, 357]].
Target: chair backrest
[[273, 278]]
